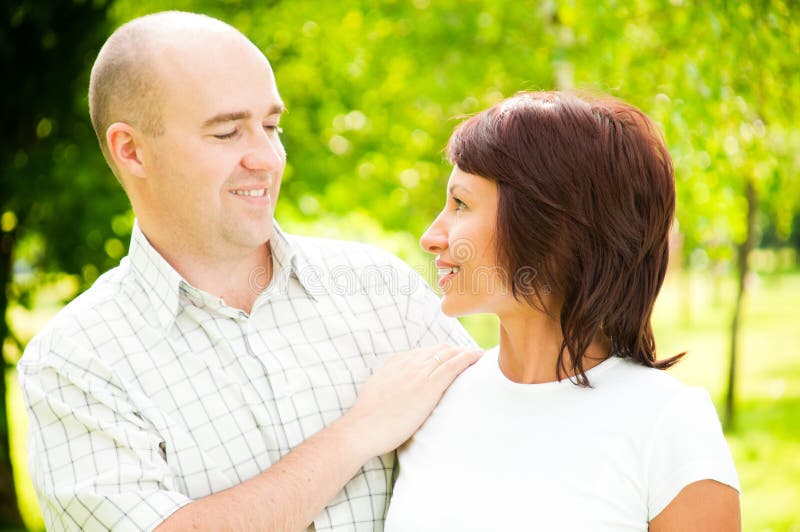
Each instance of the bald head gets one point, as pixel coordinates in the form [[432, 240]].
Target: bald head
[[126, 83]]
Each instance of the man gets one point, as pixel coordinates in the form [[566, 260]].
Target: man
[[210, 380]]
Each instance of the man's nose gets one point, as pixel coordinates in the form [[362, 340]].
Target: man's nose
[[264, 152]]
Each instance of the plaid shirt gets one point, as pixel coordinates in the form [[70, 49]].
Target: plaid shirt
[[145, 393]]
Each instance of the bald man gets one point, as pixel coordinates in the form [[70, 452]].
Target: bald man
[[211, 379]]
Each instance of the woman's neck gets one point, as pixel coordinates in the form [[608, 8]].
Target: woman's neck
[[530, 346]]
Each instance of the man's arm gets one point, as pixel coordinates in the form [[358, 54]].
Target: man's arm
[[390, 408]]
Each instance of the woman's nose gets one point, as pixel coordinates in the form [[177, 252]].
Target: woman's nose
[[434, 239]]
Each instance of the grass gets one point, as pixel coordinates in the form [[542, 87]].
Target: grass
[[28, 505], [766, 438], [692, 314]]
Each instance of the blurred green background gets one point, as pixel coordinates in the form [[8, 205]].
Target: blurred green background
[[374, 89]]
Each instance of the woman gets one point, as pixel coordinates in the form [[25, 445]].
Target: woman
[[557, 219]]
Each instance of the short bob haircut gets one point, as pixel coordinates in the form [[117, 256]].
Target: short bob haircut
[[586, 199]]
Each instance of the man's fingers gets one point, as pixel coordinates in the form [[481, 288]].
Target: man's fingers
[[456, 362], [398, 398], [430, 361], [442, 354]]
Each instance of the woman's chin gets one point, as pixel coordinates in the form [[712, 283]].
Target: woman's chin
[[450, 313], [450, 308], [455, 308]]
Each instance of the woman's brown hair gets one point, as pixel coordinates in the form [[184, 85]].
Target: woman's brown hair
[[586, 198]]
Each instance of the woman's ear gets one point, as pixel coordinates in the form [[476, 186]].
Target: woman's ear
[[125, 147]]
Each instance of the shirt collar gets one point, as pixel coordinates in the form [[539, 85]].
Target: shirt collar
[[289, 260], [160, 280], [163, 284]]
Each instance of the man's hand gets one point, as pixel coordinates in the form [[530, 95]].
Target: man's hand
[[390, 408], [394, 402]]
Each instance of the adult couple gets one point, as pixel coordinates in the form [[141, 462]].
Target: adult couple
[[177, 393]]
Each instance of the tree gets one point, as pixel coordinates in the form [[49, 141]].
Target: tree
[[739, 166], [50, 186]]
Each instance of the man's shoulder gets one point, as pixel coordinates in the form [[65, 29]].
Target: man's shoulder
[[109, 298], [354, 267], [329, 252]]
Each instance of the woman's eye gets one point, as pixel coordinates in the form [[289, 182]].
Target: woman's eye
[[277, 129]]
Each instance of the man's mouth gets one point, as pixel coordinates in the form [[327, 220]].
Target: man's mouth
[[254, 193]]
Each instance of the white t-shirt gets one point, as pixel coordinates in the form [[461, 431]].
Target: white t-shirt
[[497, 455]]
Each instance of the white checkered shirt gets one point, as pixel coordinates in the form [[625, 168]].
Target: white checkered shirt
[[145, 393]]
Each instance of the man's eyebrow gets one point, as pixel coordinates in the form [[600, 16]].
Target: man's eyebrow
[[220, 118], [227, 117]]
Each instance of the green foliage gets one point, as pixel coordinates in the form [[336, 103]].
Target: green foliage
[[375, 88], [58, 196]]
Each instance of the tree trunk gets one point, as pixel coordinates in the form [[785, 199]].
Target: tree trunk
[[744, 253], [9, 509]]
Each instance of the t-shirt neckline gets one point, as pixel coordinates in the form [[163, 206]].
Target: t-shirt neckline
[[592, 374]]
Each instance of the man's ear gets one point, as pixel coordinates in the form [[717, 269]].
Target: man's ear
[[125, 147]]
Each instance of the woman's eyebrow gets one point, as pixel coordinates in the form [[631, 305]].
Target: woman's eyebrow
[[457, 186]]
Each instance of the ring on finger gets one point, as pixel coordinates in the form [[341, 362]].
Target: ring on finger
[[437, 359]]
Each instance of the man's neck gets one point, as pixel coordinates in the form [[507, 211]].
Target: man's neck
[[238, 277], [237, 282]]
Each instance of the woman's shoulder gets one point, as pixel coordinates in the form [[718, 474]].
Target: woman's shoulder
[[671, 405], [475, 382], [653, 400], [657, 386], [480, 371]]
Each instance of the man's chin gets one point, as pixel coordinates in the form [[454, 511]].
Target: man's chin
[[251, 237]]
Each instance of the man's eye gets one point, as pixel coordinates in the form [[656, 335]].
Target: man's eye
[[460, 205], [224, 136]]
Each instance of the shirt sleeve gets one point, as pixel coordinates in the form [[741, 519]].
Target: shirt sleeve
[[94, 461], [688, 446]]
